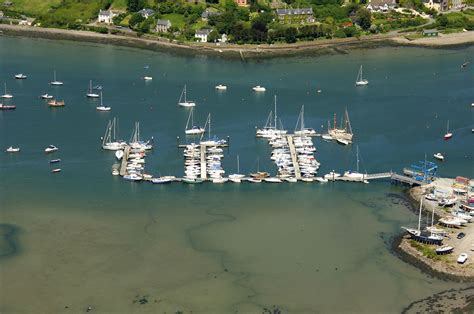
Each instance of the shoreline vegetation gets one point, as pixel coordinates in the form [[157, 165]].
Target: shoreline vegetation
[[244, 52]]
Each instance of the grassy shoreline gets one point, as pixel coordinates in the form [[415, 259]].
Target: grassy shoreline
[[242, 52]]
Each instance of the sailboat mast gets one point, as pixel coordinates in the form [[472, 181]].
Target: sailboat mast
[[419, 215], [185, 93], [100, 98], [335, 121], [302, 118], [275, 112], [238, 164], [357, 158], [447, 127]]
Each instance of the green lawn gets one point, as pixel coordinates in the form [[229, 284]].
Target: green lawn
[[175, 19], [33, 7], [119, 5]]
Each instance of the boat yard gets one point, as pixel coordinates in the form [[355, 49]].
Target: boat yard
[[451, 201]]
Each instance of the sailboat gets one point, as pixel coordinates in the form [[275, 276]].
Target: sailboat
[[90, 92], [270, 130], [237, 177], [136, 143], [356, 174], [302, 131], [55, 82], [109, 141], [448, 134], [343, 134], [194, 129], [360, 81], [6, 95], [184, 102], [210, 141], [102, 107], [416, 234]]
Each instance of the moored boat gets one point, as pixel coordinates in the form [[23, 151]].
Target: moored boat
[[7, 107], [56, 170], [55, 82], [360, 81], [51, 149], [20, 76], [221, 87], [12, 149], [183, 101], [259, 88], [54, 161], [439, 156]]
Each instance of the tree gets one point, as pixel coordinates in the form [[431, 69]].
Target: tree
[[213, 37], [442, 20], [135, 5], [135, 19], [290, 35], [364, 18]]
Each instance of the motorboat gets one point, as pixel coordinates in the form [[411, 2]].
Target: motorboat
[[221, 87], [103, 108], [191, 180], [46, 96], [444, 250], [119, 154], [20, 76], [219, 180], [235, 180], [462, 258], [6, 94], [321, 179], [254, 180], [51, 149], [55, 82], [332, 175], [90, 92], [342, 141], [307, 179], [327, 137], [272, 180], [439, 156], [183, 101], [259, 88], [290, 179], [12, 149], [133, 177], [431, 197], [7, 107], [148, 78], [56, 103], [55, 161], [115, 172], [56, 170], [161, 180]]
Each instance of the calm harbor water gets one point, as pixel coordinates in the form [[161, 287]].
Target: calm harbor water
[[86, 238]]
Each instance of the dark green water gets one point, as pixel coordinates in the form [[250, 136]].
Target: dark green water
[[88, 238]]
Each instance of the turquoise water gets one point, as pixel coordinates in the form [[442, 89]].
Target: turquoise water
[[87, 238]]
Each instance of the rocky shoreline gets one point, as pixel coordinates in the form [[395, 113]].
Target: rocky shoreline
[[240, 52]]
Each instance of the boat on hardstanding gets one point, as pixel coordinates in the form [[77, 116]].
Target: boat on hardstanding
[[360, 81], [7, 107], [419, 236], [192, 129], [102, 107], [51, 149], [20, 76], [448, 134], [12, 149], [55, 82], [90, 91], [6, 94], [183, 101], [109, 141], [444, 250]]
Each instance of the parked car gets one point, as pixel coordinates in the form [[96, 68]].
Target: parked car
[[462, 258], [461, 235]]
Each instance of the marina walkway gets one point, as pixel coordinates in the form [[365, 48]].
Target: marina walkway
[[203, 162], [294, 157], [123, 166]]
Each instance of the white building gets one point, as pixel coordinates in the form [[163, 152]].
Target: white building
[[163, 26], [106, 17], [202, 34]]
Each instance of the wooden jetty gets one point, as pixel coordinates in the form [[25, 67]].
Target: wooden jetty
[[203, 162], [123, 166], [294, 157]]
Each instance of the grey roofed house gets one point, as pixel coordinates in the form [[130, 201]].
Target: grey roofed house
[[381, 3], [163, 26], [206, 14], [146, 13], [304, 11], [204, 31], [105, 13]]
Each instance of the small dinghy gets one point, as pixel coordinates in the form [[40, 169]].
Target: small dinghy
[[54, 161], [56, 170]]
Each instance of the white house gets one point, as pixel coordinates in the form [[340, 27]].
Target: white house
[[146, 13], [202, 34], [162, 26], [106, 17]]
